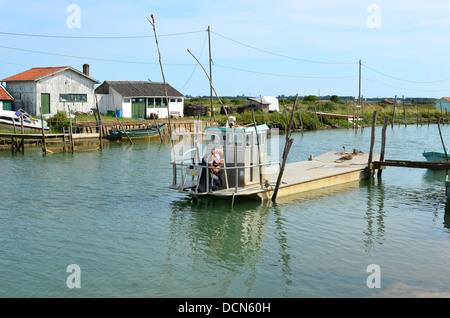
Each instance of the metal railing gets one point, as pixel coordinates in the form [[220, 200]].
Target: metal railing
[[183, 164]]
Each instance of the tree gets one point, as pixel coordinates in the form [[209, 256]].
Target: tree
[[310, 98], [335, 98]]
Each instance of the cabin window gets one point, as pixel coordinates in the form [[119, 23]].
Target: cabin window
[[173, 100], [238, 139], [262, 139], [126, 100], [212, 140], [160, 102], [248, 140], [79, 98]]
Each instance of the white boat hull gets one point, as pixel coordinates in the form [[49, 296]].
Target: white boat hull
[[11, 119]]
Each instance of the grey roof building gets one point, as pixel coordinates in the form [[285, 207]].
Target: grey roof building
[[139, 99]]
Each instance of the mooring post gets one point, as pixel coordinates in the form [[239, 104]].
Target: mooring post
[[22, 131], [44, 149], [404, 110], [287, 147], [383, 145], [372, 141], [393, 113], [442, 139]]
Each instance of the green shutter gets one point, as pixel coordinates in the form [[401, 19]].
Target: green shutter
[[45, 103]]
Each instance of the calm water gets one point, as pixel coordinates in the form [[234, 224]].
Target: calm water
[[111, 213]]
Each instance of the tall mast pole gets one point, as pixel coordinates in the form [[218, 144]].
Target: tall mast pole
[[210, 73], [359, 98]]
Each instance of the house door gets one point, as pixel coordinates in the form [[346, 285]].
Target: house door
[[45, 103], [137, 108]]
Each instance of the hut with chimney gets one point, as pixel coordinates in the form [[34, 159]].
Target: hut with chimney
[[52, 89]]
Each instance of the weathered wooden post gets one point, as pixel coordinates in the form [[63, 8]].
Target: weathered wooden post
[[404, 110], [44, 149], [372, 142], [442, 140], [287, 147], [393, 113], [417, 114], [22, 131], [362, 111], [346, 101], [383, 145], [70, 130]]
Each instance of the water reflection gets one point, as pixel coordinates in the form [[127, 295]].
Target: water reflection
[[209, 233], [375, 213]]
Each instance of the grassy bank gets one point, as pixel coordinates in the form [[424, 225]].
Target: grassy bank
[[305, 114]]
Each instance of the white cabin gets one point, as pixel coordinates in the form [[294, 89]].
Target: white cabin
[[139, 99]]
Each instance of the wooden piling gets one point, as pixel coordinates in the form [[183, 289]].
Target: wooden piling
[[404, 110], [44, 149], [393, 113], [442, 139], [383, 145], [372, 140], [287, 147], [346, 102], [70, 131]]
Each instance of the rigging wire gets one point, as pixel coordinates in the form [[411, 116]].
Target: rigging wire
[[91, 58], [405, 80], [97, 37], [221, 66], [402, 88], [283, 75], [284, 56]]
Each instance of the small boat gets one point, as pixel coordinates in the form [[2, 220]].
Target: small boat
[[234, 161], [434, 156], [144, 132], [10, 119]]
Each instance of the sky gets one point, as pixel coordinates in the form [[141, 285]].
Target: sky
[[258, 47]]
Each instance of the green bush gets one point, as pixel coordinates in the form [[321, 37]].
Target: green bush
[[59, 121]]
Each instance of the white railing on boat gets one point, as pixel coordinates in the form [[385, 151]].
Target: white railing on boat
[[200, 168]]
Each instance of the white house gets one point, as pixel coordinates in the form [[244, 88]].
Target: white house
[[139, 99], [53, 89], [273, 103]]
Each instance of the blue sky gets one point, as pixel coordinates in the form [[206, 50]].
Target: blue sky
[[258, 47]]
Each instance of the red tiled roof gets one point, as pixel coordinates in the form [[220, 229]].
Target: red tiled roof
[[33, 74], [4, 94]]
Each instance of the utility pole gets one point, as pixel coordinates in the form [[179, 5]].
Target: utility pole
[[210, 73], [359, 98]]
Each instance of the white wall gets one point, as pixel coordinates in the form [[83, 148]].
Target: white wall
[[26, 92], [273, 106], [112, 101], [66, 82], [174, 106]]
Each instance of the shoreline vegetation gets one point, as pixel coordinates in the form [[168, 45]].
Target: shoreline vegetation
[[308, 115]]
